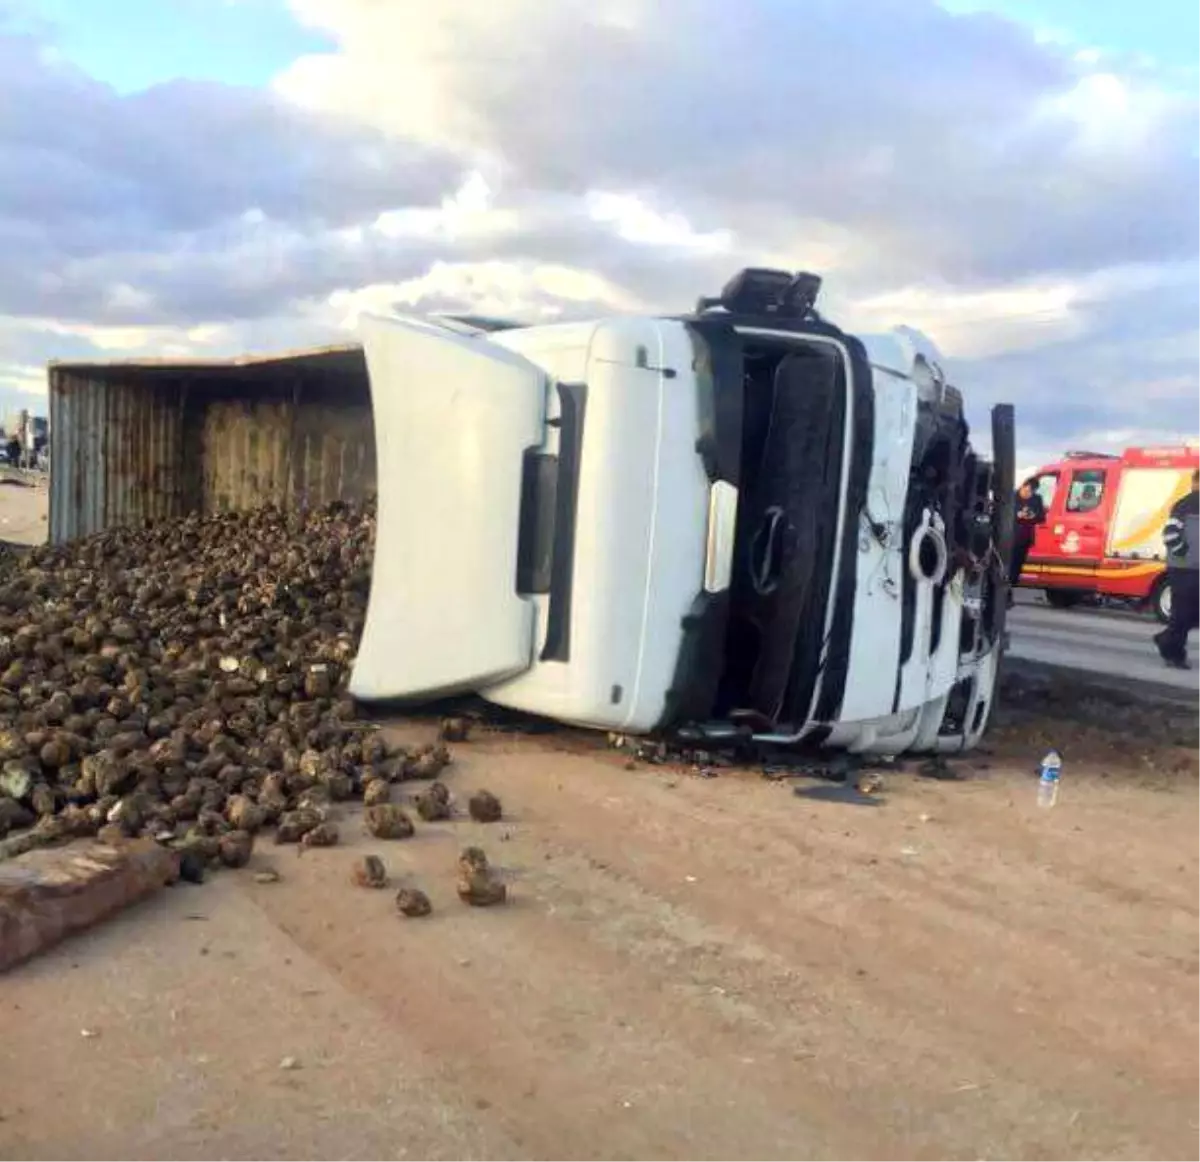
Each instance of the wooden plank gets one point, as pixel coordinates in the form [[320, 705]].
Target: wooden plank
[[48, 894]]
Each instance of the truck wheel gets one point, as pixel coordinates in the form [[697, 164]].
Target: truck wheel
[[1160, 600], [1062, 598]]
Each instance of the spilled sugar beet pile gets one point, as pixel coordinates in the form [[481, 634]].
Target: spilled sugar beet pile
[[184, 682]]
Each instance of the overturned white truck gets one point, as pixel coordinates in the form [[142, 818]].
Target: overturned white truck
[[738, 522]]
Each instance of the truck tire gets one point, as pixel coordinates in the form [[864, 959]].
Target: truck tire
[[1160, 599], [1062, 598]]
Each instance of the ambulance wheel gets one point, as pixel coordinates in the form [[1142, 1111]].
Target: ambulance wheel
[[1160, 600], [1062, 598]]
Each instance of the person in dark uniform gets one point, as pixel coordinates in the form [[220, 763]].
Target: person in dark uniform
[[1181, 535], [1031, 512]]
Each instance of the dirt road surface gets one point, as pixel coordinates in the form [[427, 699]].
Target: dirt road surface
[[24, 505], [688, 968]]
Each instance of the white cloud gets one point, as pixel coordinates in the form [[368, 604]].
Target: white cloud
[[977, 324], [635, 221], [23, 378], [1109, 115], [467, 214], [504, 289]]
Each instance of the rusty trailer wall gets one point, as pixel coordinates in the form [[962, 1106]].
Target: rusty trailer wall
[[132, 442], [255, 452], [114, 454]]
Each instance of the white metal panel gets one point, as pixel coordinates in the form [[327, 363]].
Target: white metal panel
[[453, 418], [875, 640], [907, 353], [641, 532]]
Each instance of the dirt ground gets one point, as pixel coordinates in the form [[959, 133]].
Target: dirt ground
[[689, 968], [24, 506]]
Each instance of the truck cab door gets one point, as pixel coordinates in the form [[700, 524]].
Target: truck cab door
[[1079, 528], [1045, 544], [454, 417]]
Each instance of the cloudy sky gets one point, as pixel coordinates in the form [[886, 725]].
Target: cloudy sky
[[1018, 178]]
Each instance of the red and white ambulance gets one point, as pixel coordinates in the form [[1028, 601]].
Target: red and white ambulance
[[1104, 519]]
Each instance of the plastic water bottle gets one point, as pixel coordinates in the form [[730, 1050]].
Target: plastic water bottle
[[1048, 774]]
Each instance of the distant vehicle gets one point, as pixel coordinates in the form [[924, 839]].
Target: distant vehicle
[[1103, 531], [738, 522]]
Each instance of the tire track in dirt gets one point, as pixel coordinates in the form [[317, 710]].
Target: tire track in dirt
[[191, 1017], [1059, 999], [565, 1031]]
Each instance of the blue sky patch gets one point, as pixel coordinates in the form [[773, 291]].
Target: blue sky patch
[[1167, 30], [133, 44]]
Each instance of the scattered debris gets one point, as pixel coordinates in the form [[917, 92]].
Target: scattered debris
[[869, 783], [192, 866], [478, 884], [267, 876], [776, 773], [838, 793], [16, 781], [14, 816], [658, 751], [323, 835], [376, 791], [295, 825], [289, 1063], [427, 762], [88, 1034], [434, 802], [454, 729], [235, 848], [244, 814], [936, 767], [369, 872], [413, 902], [388, 821], [484, 807]]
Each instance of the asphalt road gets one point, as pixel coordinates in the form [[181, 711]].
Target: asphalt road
[[1101, 642]]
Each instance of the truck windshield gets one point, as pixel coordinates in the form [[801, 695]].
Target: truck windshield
[[1087, 490]]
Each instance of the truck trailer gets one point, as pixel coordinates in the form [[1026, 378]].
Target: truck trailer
[[739, 522]]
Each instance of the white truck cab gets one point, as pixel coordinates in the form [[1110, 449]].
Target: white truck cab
[[737, 522]]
